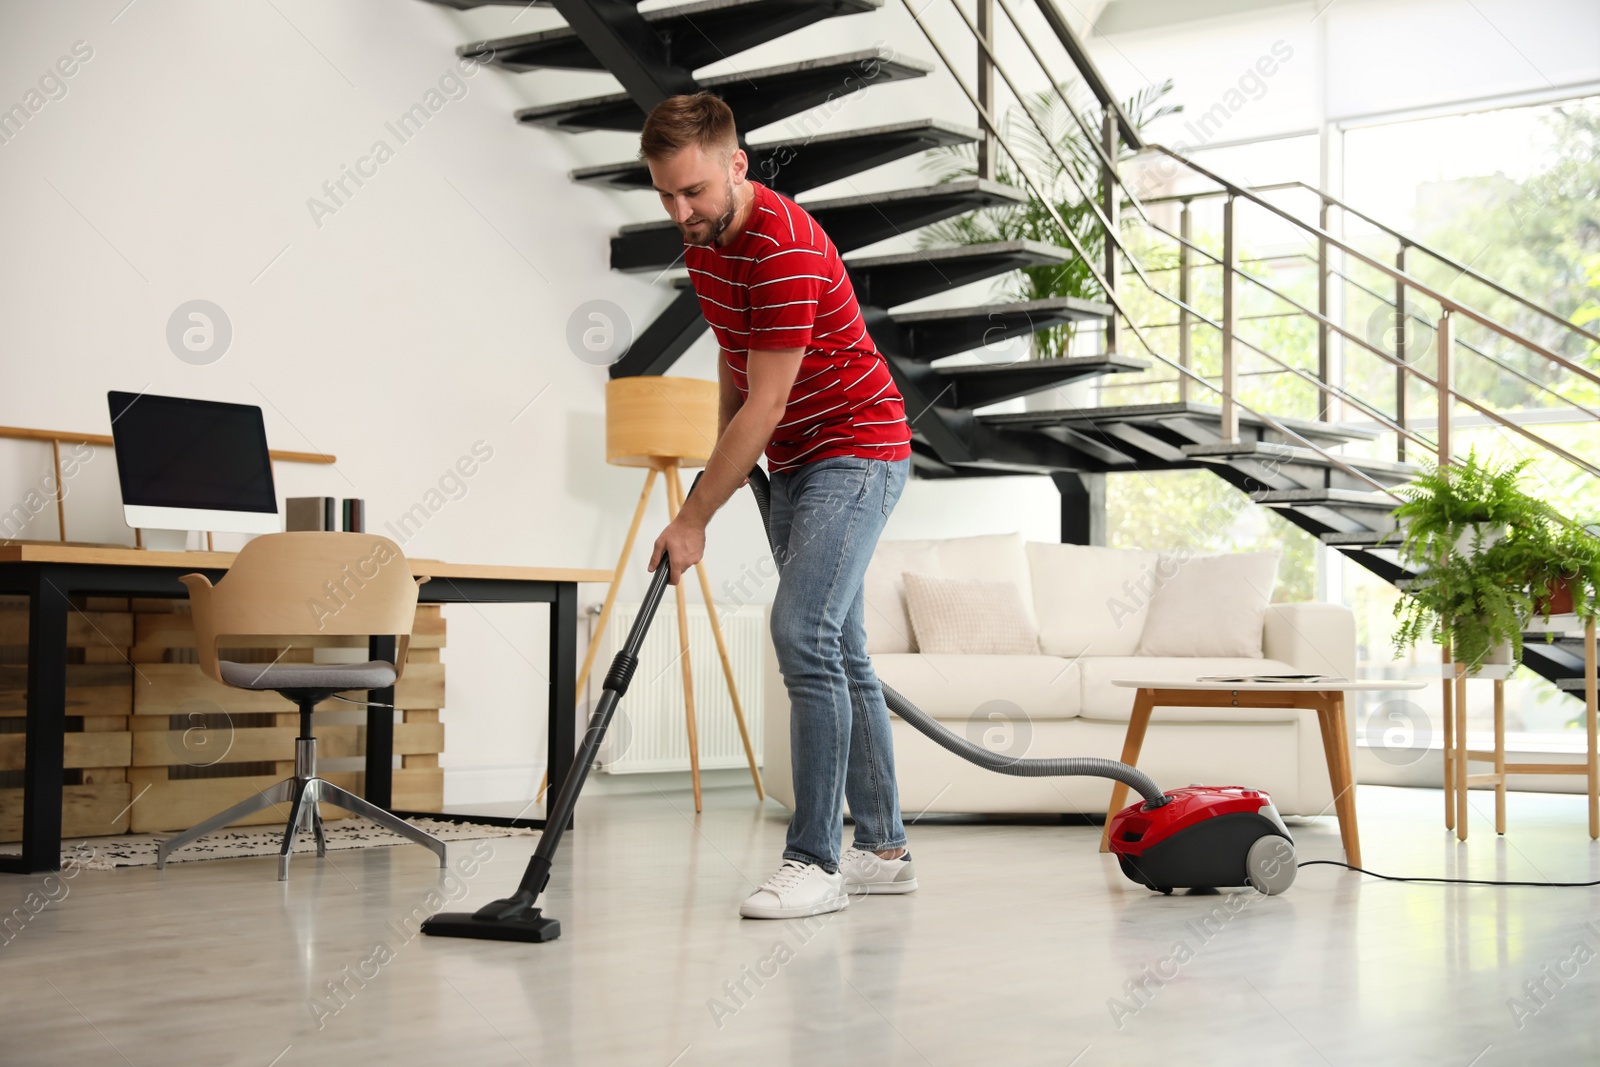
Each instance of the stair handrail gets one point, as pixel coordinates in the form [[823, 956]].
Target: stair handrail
[[989, 123], [1097, 86], [1085, 64], [1233, 192], [1231, 405], [1322, 386], [1101, 90], [1415, 315], [986, 47], [1490, 357], [1405, 239], [1426, 379], [1450, 303]]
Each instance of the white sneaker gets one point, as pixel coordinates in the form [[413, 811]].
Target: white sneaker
[[796, 890], [867, 872]]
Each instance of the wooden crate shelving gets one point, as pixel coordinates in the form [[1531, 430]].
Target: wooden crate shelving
[[98, 742], [153, 744]]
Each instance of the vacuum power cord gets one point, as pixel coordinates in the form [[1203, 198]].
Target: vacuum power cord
[[1448, 881]]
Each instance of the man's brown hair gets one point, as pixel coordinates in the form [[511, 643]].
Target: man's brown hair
[[692, 119]]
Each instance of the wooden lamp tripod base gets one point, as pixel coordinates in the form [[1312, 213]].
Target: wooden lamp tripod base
[[666, 424]]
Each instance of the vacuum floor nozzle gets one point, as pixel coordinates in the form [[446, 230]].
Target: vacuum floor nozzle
[[523, 925]]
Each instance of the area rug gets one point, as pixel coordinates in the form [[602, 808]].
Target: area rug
[[139, 850]]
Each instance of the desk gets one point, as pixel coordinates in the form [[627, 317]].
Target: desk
[[49, 574], [1325, 698]]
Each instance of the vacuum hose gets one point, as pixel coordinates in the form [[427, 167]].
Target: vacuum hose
[[1061, 767]]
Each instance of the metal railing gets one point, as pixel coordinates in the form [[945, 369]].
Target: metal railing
[[1120, 273], [1109, 151], [1411, 314]]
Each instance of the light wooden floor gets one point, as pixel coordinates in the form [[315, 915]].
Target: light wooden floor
[[1025, 946]]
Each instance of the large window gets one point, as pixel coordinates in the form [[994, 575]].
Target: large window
[[1514, 194]]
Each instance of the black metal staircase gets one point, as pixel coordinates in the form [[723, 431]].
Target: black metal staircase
[[692, 35], [851, 221], [1284, 464]]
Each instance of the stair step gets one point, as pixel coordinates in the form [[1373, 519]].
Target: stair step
[[1567, 656], [1198, 423], [1344, 498], [1388, 470], [1566, 631], [797, 164], [887, 281], [1363, 548], [974, 385], [930, 335], [1384, 540], [1259, 465], [1321, 511], [692, 35], [758, 97], [468, 5], [851, 221]]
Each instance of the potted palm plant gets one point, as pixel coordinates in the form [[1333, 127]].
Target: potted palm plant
[[1063, 185]]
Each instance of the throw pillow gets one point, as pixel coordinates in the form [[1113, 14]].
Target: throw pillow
[[1090, 600], [1209, 605], [990, 557], [969, 616]]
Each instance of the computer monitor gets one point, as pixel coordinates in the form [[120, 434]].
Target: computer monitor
[[193, 464]]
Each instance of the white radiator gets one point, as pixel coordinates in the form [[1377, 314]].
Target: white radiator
[[648, 732]]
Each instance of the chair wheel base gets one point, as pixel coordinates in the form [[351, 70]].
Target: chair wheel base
[[304, 795]]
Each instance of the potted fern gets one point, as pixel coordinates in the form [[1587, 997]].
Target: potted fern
[[1465, 508], [1472, 533], [1565, 572]]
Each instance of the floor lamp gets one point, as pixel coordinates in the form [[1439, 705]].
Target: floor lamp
[[666, 425]]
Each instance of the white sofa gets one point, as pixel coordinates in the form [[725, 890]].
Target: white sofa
[[1089, 605]]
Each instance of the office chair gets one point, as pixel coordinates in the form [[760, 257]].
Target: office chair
[[291, 584]]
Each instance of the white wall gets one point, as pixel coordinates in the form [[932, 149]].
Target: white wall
[[427, 314]]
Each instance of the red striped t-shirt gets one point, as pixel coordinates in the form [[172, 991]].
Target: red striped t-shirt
[[780, 284]]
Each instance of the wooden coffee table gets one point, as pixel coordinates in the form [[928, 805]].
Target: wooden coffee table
[[1325, 697]]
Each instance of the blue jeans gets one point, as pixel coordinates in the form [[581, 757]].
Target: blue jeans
[[826, 517]]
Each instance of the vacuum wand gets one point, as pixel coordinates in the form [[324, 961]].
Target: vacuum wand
[[515, 918]]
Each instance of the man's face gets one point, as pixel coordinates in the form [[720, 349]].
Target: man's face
[[698, 189]]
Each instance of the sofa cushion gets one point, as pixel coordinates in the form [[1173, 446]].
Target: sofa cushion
[[967, 616], [1089, 600], [953, 688], [989, 557], [1209, 605], [1100, 699], [888, 624]]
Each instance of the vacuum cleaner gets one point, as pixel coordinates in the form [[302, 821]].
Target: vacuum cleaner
[[1197, 837]]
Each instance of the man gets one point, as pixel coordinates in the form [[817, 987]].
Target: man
[[802, 382]]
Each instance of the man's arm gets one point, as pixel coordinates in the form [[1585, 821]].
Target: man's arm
[[728, 398], [771, 376]]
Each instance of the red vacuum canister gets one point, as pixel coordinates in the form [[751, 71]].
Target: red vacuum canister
[[1205, 837]]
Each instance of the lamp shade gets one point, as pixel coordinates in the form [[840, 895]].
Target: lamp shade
[[652, 420]]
